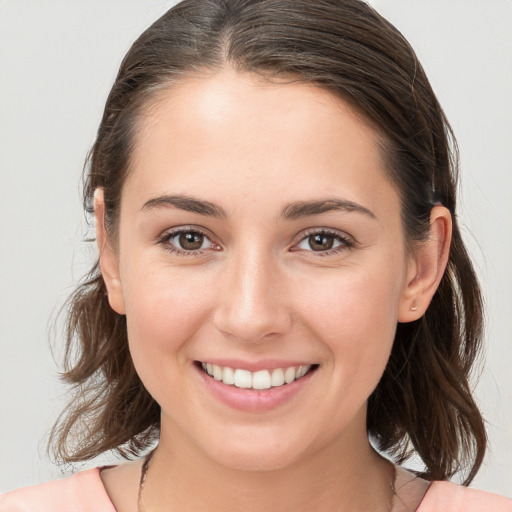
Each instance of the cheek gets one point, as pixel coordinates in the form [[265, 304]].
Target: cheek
[[354, 301], [356, 317], [164, 309]]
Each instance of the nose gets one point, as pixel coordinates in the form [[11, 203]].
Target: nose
[[252, 302]]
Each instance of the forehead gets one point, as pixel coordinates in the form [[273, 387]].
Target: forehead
[[247, 102], [237, 130]]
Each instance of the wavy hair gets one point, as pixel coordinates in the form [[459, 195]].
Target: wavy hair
[[423, 402]]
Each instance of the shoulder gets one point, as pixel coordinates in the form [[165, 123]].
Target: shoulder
[[450, 497], [82, 492]]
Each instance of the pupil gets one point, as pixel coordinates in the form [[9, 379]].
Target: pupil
[[321, 242], [191, 241]]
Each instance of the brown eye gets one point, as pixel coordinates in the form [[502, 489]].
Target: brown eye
[[190, 240], [321, 242], [187, 242], [324, 243]]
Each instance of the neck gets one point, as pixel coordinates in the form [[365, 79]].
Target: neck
[[345, 475]]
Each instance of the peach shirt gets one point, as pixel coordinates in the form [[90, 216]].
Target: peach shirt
[[84, 492]]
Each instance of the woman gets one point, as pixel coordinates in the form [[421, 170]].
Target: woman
[[281, 275]]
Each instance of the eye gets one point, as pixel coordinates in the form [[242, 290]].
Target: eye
[[190, 241], [187, 241], [324, 242]]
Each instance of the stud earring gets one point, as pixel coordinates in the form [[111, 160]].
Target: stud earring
[[415, 308]]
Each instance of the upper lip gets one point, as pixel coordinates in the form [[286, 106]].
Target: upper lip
[[254, 366]]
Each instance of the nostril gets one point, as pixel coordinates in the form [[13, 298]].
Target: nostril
[[258, 326]]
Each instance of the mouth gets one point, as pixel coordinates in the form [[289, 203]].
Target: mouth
[[258, 380]]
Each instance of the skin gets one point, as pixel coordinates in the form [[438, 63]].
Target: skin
[[257, 291]]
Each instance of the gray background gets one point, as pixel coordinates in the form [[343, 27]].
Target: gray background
[[58, 60]]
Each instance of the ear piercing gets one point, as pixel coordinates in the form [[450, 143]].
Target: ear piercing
[[415, 308]]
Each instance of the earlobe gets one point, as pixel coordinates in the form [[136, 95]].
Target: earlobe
[[108, 258], [427, 266]]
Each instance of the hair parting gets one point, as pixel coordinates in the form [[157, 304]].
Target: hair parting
[[423, 402]]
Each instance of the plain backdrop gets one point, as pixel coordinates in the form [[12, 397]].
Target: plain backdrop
[[58, 59]]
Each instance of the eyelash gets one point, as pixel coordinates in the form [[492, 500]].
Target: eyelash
[[165, 240], [346, 243]]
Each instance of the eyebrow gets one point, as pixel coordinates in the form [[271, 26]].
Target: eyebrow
[[300, 209], [186, 203], [293, 211]]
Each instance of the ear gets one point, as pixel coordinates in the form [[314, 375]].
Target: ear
[[109, 264], [427, 266]]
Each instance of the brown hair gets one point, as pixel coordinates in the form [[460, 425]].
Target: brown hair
[[423, 402]]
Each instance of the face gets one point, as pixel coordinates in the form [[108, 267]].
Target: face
[[261, 265]]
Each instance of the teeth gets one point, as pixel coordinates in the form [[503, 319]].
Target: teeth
[[289, 375], [277, 377], [302, 371], [243, 379], [228, 376], [262, 379], [217, 372]]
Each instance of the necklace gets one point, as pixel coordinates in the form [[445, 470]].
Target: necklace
[[143, 474]]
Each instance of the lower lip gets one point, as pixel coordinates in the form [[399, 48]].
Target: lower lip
[[253, 400]]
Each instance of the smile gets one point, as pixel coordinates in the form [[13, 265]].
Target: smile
[[261, 379]]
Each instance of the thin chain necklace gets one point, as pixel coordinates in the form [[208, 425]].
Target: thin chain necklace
[[144, 472]]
